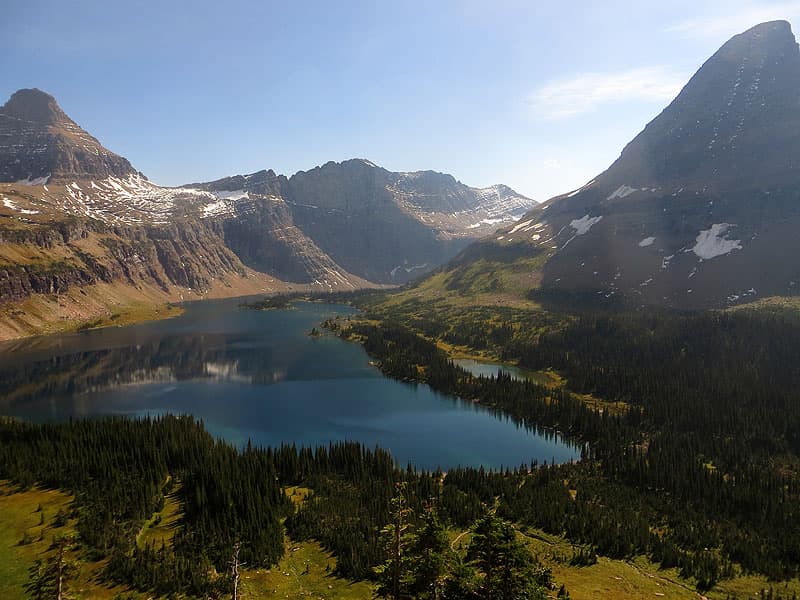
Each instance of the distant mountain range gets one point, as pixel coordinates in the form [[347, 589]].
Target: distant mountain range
[[74, 214], [358, 218], [702, 208]]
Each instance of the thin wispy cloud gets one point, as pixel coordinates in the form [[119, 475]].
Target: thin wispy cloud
[[736, 19], [584, 93]]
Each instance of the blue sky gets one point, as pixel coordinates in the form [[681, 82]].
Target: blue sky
[[539, 95]]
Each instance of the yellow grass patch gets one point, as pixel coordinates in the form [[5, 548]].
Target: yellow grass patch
[[306, 571], [30, 515]]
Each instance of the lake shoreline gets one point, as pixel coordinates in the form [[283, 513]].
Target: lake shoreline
[[118, 305], [259, 376]]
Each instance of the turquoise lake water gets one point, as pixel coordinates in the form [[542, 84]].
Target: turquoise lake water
[[258, 375]]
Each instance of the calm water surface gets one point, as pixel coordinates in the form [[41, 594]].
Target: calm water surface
[[260, 376], [491, 369]]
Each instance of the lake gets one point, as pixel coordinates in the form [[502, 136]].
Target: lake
[[258, 375], [491, 369]]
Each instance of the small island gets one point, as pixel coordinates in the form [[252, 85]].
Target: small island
[[279, 302]]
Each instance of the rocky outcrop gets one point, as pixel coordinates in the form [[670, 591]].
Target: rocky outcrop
[[187, 254], [17, 282]]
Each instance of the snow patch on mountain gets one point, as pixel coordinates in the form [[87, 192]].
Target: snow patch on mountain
[[712, 242], [214, 209], [581, 227], [489, 222], [231, 195], [36, 181], [580, 189], [622, 191], [519, 226], [10, 204], [648, 241], [584, 224], [408, 269], [135, 200]]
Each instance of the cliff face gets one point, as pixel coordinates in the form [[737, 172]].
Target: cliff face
[[266, 238], [19, 282], [355, 219], [350, 212], [187, 254]]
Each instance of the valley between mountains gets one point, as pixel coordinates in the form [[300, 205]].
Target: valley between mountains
[[84, 236], [647, 323]]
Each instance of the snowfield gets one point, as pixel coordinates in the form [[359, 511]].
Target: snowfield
[[133, 200]]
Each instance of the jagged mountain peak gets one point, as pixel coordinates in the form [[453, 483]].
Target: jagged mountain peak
[[363, 161], [429, 179], [350, 164]]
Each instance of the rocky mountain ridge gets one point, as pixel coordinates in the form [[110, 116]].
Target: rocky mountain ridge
[[385, 227], [74, 214]]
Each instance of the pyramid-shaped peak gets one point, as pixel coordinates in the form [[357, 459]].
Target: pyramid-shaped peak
[[34, 105], [764, 40], [775, 29], [41, 141], [735, 123]]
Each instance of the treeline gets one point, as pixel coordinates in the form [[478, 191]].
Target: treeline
[[715, 422], [276, 302], [699, 472], [405, 355], [121, 470], [420, 563]]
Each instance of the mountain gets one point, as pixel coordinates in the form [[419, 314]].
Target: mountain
[[82, 232], [384, 227], [701, 209], [39, 142]]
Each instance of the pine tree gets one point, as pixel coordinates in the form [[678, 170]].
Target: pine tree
[[430, 557], [394, 574], [50, 578], [462, 582], [508, 568]]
